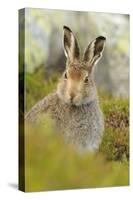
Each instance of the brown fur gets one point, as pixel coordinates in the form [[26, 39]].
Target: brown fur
[[75, 106]]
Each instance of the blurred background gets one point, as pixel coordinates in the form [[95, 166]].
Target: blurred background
[[49, 162], [44, 46]]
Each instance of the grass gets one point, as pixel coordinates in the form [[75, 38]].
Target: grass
[[51, 164]]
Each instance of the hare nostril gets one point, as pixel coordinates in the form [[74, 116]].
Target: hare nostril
[[72, 95], [71, 98]]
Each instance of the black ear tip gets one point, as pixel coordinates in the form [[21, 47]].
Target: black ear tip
[[67, 28], [101, 38]]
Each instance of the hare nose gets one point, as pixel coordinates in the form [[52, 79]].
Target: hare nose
[[72, 95]]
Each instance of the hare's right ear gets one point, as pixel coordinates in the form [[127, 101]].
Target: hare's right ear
[[71, 47], [94, 51]]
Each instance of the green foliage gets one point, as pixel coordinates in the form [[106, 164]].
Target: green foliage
[[115, 144], [37, 86], [51, 164]]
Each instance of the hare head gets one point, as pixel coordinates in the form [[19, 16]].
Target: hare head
[[76, 86]]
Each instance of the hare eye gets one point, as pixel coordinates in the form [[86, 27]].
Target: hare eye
[[65, 76], [86, 80]]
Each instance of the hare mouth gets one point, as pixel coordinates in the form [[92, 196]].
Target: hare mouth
[[74, 103]]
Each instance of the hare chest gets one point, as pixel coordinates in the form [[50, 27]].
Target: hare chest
[[81, 126]]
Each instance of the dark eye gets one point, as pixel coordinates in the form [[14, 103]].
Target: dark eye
[[86, 80], [65, 75]]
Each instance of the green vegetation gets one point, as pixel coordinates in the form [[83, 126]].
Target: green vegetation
[[115, 145], [37, 86], [51, 164]]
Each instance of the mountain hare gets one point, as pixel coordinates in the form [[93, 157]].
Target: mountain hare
[[74, 105]]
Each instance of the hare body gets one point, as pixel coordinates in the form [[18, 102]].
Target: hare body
[[74, 105], [81, 125]]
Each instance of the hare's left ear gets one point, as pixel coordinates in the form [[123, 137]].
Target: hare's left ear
[[94, 51], [71, 47]]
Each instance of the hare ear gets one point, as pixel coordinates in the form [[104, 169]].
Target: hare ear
[[94, 51], [71, 47]]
